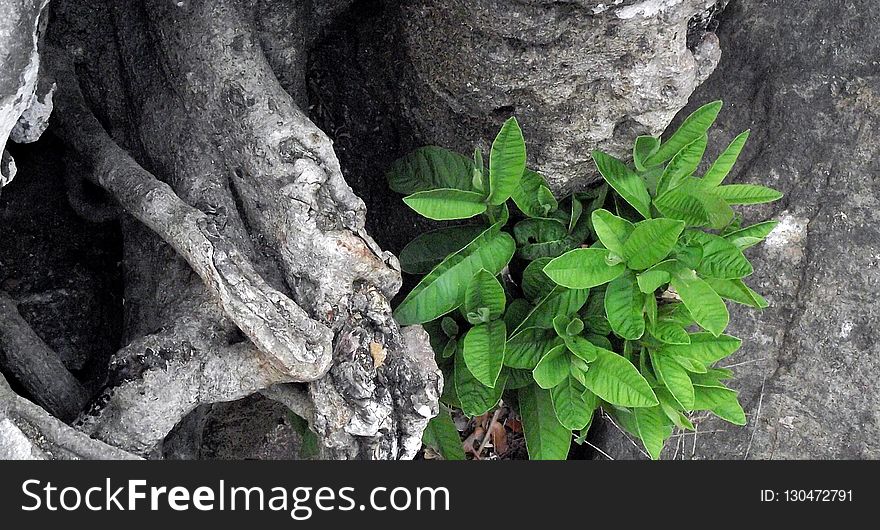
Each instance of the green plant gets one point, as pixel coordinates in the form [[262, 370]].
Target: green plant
[[612, 299]]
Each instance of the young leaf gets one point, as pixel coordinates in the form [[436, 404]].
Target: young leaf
[[430, 168], [560, 301], [443, 289], [720, 400], [526, 348], [546, 438], [475, 397], [446, 204], [483, 351], [747, 194], [704, 348], [674, 377], [569, 404], [682, 165], [576, 210], [552, 368], [725, 161], [449, 327], [612, 231], [484, 290], [624, 305], [691, 128], [644, 147], [626, 183], [581, 348], [616, 380], [574, 327], [654, 428], [751, 235], [442, 436], [507, 162], [737, 291], [532, 196], [583, 268], [427, 250], [657, 276], [651, 241], [704, 304]]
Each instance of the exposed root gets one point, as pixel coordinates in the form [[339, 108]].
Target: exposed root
[[27, 432], [36, 367]]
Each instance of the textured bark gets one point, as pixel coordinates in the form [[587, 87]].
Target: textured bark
[[36, 367]]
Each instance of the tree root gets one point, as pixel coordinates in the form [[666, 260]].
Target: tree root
[[36, 367], [27, 432]]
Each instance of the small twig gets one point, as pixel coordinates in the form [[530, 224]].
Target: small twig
[[750, 361], [603, 453], [757, 417], [486, 436]]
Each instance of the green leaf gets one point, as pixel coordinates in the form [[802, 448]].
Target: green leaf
[[517, 311], [669, 332], [627, 184], [651, 241], [535, 284], [507, 162], [571, 408], [575, 327], [704, 304], [526, 348], [691, 128], [725, 161], [532, 196], [583, 268], [616, 380], [560, 301], [694, 205], [721, 258], [546, 438], [624, 305], [747, 194], [737, 291], [450, 348], [427, 250], [446, 204], [644, 147], [449, 327], [720, 400], [576, 210], [443, 289], [704, 348], [429, 168], [517, 379], [483, 351], [654, 428], [442, 436], [484, 290], [612, 231], [657, 276], [581, 348], [682, 165], [674, 377], [552, 368], [475, 397], [751, 235]]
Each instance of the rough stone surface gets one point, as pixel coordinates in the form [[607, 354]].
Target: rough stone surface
[[579, 75], [20, 32], [809, 88]]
